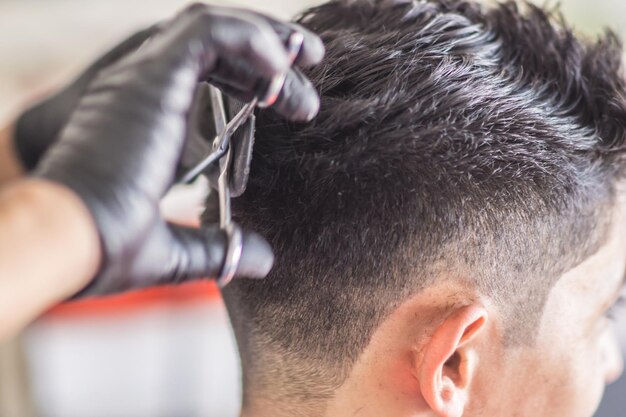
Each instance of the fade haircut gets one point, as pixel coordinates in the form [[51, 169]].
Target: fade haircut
[[454, 141]]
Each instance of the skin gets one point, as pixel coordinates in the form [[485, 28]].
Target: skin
[[441, 353], [40, 221], [10, 168]]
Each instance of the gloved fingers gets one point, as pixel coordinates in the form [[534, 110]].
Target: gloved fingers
[[312, 51], [212, 33], [199, 253], [297, 101]]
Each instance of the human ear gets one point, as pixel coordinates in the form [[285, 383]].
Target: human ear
[[448, 361]]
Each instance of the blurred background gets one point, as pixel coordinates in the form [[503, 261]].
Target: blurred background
[[165, 352]]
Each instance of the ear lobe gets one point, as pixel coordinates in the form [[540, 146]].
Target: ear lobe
[[449, 361]]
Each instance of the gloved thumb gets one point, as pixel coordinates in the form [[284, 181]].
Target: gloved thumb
[[203, 252], [174, 254]]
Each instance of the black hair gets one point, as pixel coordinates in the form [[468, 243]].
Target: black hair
[[454, 141]]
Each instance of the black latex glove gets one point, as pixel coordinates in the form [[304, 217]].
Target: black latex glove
[[120, 148], [38, 127], [241, 81]]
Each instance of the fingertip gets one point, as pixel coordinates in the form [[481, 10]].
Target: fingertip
[[257, 257], [315, 51], [304, 107], [298, 100], [312, 107]]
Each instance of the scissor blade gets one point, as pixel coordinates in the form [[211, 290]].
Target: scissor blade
[[193, 173]]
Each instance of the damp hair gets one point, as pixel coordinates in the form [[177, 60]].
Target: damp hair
[[454, 141]]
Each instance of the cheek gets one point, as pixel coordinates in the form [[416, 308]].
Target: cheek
[[586, 382], [561, 378], [584, 369]]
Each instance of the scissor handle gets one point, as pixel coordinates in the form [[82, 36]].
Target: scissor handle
[[221, 152], [234, 238]]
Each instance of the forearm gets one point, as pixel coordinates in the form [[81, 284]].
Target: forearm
[[10, 167], [49, 250]]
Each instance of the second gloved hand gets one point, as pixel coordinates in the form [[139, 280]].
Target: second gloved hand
[[121, 146]]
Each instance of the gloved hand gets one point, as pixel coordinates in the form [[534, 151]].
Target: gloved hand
[[121, 146], [38, 127]]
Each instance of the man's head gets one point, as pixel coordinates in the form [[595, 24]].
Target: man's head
[[448, 231]]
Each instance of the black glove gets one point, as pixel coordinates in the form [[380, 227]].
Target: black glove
[[38, 127], [121, 146]]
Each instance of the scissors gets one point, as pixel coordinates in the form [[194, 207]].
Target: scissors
[[221, 153]]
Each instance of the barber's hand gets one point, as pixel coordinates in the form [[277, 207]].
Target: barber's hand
[[298, 99], [38, 127], [121, 146]]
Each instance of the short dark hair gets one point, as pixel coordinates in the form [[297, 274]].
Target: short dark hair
[[454, 140]]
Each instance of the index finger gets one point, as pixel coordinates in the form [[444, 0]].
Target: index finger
[[312, 51]]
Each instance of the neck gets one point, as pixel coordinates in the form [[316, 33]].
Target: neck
[[268, 407]]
